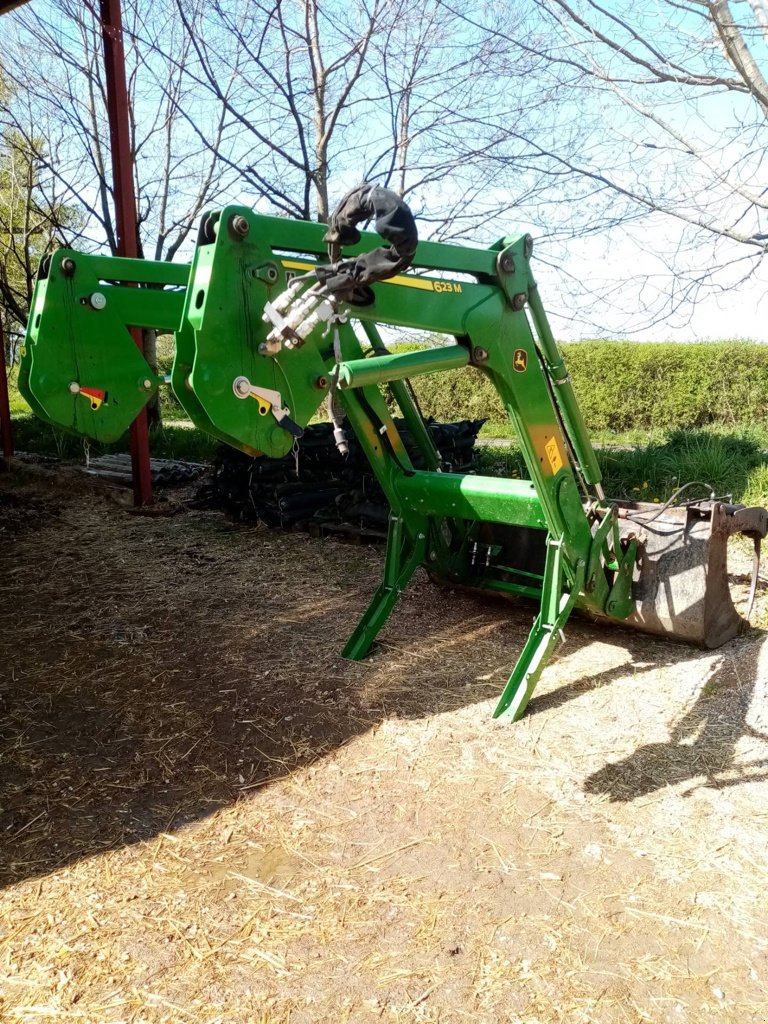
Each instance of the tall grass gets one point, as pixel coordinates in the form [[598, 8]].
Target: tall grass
[[171, 441], [724, 463]]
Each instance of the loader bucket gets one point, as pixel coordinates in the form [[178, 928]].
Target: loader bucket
[[681, 585], [680, 582]]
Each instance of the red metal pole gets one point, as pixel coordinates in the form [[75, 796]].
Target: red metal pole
[[5, 406], [126, 226]]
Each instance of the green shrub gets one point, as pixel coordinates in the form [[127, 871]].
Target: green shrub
[[624, 386], [730, 464]]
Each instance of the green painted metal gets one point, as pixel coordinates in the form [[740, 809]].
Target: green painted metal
[[254, 392], [556, 606], [405, 553], [80, 369], [399, 366], [565, 396], [490, 499], [408, 405], [230, 282]]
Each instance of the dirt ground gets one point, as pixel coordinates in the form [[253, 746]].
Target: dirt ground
[[208, 816]]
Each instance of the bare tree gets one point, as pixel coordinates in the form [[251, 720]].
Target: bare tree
[[453, 99], [56, 112], [53, 58], [322, 93], [674, 123], [575, 120], [293, 72], [33, 220]]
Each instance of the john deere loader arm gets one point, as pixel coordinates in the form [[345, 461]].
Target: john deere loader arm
[[270, 329], [80, 368]]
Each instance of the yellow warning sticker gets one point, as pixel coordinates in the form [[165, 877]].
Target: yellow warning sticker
[[553, 454], [95, 396]]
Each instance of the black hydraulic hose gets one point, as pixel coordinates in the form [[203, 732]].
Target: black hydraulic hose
[[393, 221], [649, 517]]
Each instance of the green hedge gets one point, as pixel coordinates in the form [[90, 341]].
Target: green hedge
[[625, 386]]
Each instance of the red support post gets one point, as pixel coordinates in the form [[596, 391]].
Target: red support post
[[5, 406], [126, 225]]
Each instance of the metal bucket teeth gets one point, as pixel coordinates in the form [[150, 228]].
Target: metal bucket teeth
[[681, 579]]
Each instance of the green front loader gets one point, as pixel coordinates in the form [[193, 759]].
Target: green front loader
[[275, 318]]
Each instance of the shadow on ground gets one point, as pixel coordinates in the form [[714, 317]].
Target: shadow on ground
[[155, 669], [702, 745]]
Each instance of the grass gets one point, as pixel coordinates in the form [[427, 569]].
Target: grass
[[171, 441], [493, 430], [729, 463], [723, 462], [637, 438]]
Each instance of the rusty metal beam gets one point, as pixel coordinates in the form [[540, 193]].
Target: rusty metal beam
[[126, 224]]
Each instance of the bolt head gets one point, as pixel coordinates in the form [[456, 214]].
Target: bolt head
[[240, 225], [67, 266], [74, 387], [242, 387], [98, 300], [506, 263]]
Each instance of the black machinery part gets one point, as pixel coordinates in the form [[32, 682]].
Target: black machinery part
[[394, 222]]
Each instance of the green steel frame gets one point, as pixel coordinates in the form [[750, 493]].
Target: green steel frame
[[486, 300]]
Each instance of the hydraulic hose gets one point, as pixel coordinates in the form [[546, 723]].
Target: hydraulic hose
[[394, 222]]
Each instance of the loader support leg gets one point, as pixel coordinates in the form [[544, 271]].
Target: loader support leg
[[556, 606], [404, 556]]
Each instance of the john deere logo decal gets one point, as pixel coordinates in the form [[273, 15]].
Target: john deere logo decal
[[520, 362]]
